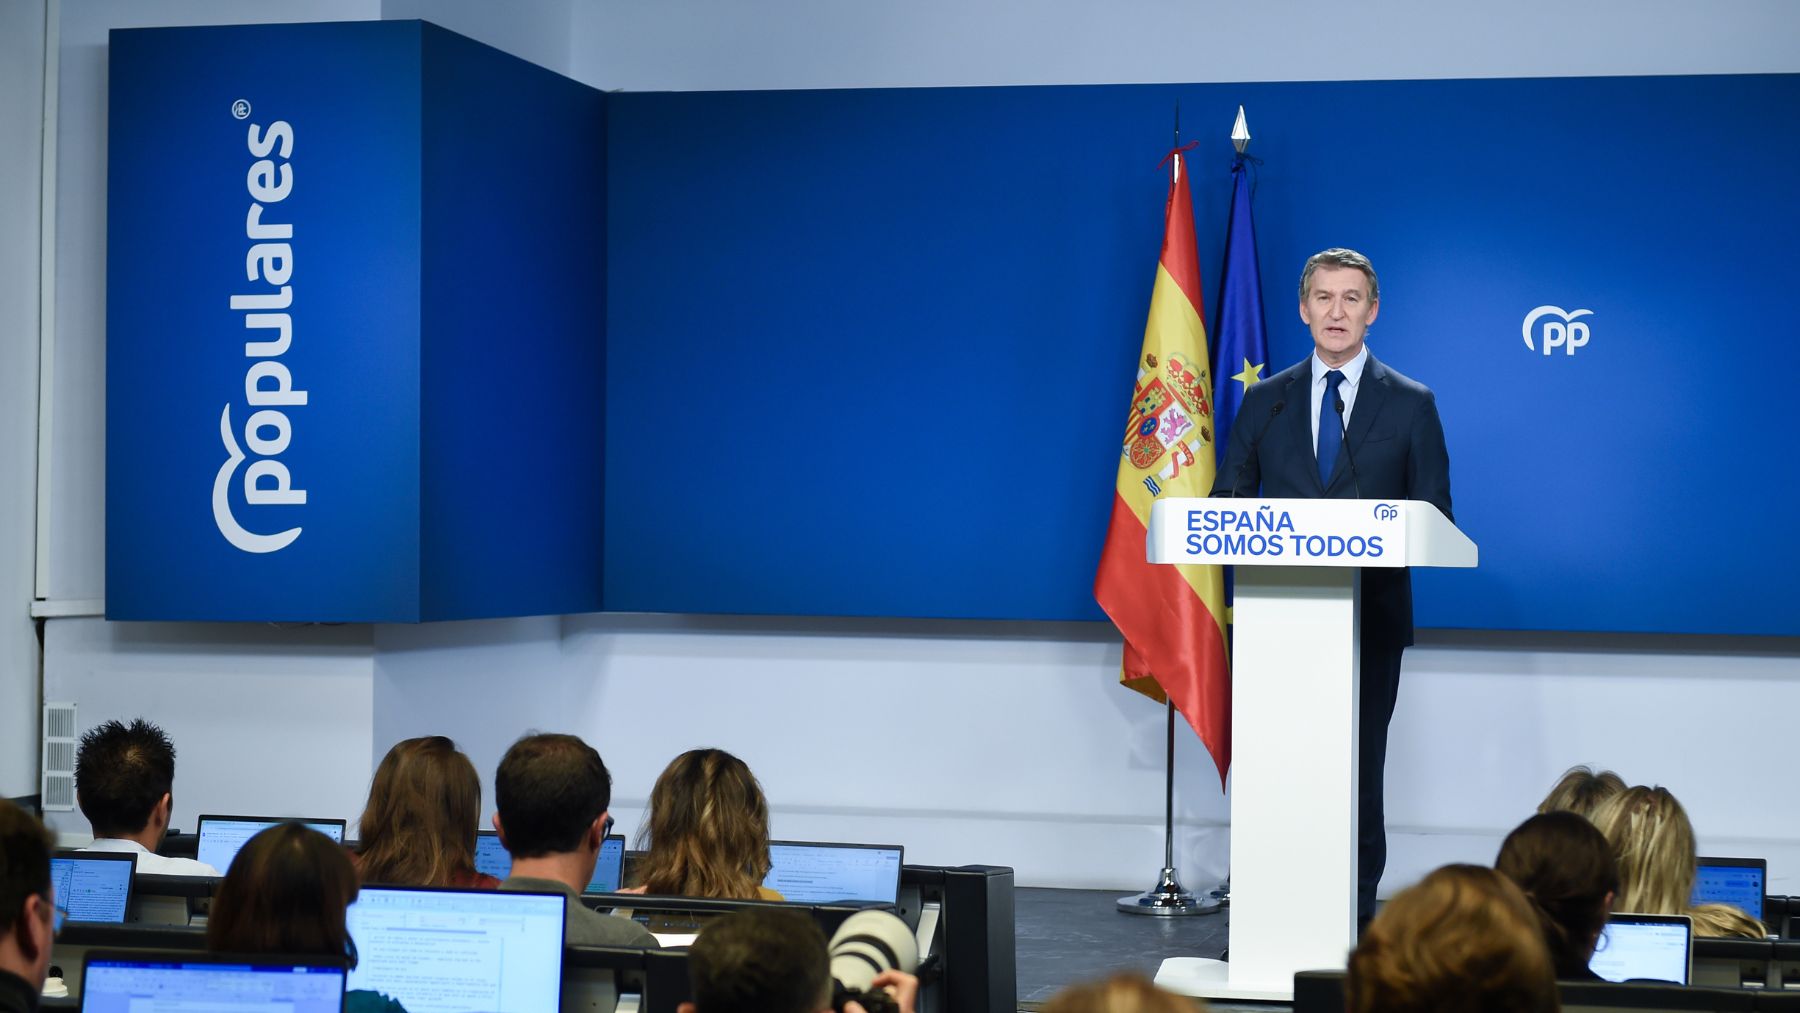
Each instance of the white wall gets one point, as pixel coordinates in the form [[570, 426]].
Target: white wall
[[267, 721], [21, 148], [684, 45], [1003, 743]]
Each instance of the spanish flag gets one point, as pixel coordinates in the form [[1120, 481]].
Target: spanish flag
[[1172, 617]]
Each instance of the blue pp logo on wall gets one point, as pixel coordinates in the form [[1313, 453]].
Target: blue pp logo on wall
[[1567, 333], [1386, 511], [268, 385]]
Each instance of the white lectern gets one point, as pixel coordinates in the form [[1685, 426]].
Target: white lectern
[[1294, 687]]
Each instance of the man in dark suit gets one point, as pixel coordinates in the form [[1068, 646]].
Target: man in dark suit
[[1289, 440]]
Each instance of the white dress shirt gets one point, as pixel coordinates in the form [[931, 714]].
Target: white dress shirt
[[1353, 371], [150, 862]]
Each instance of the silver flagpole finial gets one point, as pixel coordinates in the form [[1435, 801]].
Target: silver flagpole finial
[[1240, 132]]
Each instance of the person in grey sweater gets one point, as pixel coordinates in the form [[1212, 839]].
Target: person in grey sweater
[[552, 792]]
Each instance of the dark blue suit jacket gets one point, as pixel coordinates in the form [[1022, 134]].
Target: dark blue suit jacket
[[1398, 442]]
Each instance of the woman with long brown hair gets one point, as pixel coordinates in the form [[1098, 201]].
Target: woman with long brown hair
[[420, 825], [1567, 871], [706, 832], [286, 893]]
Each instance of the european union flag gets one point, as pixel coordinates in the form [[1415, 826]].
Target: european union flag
[[1241, 339]]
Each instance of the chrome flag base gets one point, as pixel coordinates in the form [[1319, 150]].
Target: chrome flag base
[[1167, 899]]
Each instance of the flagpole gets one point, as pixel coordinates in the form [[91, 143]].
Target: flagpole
[[1167, 898], [1240, 142]]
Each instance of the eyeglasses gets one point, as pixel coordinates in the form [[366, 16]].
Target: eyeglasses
[[606, 828], [56, 923]]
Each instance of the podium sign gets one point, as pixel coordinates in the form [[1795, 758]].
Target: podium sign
[[1305, 532], [1295, 678]]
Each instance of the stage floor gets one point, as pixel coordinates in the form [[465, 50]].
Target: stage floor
[[1066, 936]]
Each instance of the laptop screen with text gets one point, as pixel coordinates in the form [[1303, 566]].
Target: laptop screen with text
[[1640, 947], [115, 983], [1739, 882], [93, 886], [436, 951], [491, 858], [816, 873], [221, 837]]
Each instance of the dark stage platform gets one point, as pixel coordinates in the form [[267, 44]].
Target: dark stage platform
[[1066, 936]]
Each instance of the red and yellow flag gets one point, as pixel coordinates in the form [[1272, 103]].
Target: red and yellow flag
[[1172, 617]]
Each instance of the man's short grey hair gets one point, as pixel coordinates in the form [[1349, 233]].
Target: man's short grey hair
[[1337, 256]]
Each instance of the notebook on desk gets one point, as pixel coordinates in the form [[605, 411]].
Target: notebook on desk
[[1740, 882], [93, 886], [820, 873], [221, 837], [1641, 947]]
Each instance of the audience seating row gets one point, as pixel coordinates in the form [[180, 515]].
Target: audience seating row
[[1323, 992], [963, 915], [1748, 963]]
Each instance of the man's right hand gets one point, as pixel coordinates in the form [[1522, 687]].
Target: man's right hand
[[902, 986]]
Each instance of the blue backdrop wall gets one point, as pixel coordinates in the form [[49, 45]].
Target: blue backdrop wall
[[355, 337], [869, 351]]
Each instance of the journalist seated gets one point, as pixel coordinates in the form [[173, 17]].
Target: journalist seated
[[706, 831], [286, 893], [419, 828], [1129, 992], [1464, 940], [1568, 873], [27, 908], [1650, 833], [124, 775], [770, 960], [552, 792], [1581, 791]]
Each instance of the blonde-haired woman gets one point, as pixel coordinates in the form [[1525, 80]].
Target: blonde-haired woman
[[706, 833], [1581, 791], [1650, 833]]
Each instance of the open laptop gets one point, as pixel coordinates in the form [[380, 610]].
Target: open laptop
[[222, 836], [820, 873], [93, 886], [1740, 882], [435, 951], [1640, 947], [492, 858], [116, 982]]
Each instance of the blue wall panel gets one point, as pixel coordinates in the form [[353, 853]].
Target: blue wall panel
[[869, 350], [444, 245], [177, 205], [514, 262]]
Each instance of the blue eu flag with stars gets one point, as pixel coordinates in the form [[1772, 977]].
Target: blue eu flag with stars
[[1241, 339]]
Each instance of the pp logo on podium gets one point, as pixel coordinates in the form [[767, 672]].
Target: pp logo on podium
[[1386, 511], [1567, 334]]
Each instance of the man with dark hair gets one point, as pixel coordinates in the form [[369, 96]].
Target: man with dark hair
[[1386, 425], [767, 960], [27, 908], [552, 792], [123, 777]]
